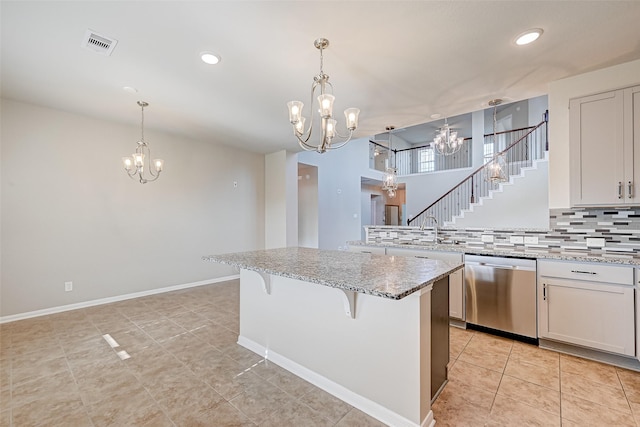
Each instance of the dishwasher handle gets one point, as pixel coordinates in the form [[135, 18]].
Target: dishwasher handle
[[506, 267], [500, 266]]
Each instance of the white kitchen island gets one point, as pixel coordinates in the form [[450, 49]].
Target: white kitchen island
[[356, 325]]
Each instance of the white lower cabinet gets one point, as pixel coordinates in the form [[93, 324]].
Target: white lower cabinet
[[587, 304], [456, 280]]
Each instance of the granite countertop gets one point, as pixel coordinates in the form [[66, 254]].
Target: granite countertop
[[379, 275], [534, 253]]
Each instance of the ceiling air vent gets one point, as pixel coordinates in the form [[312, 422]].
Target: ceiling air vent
[[98, 43]]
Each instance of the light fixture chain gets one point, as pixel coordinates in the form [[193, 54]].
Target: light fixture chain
[[142, 123]]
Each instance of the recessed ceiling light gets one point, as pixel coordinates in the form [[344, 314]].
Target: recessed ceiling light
[[436, 116], [130, 89], [210, 58], [528, 36]]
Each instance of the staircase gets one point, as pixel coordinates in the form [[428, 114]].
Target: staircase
[[521, 202], [488, 181]]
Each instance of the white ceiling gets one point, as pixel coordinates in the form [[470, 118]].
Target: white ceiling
[[398, 61]]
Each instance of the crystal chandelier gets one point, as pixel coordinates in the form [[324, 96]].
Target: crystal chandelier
[[390, 179], [325, 108], [135, 165], [496, 170], [447, 141]]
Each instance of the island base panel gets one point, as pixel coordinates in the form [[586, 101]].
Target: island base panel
[[378, 361]]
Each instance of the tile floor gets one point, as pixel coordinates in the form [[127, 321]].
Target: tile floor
[[499, 382], [176, 363], [183, 368]]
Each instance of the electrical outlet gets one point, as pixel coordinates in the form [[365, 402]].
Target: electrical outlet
[[530, 240], [595, 242], [487, 238], [516, 239], [68, 286]]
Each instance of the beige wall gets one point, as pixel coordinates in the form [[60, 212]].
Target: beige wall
[[560, 92], [70, 213], [281, 199]]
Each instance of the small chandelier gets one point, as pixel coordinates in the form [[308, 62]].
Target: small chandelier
[[135, 165], [390, 179], [325, 108], [496, 170], [447, 141]]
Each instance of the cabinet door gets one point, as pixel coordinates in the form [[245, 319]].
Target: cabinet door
[[592, 315], [632, 145], [597, 150], [456, 295], [638, 314]]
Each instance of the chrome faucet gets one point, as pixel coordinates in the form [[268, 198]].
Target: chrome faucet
[[435, 228]]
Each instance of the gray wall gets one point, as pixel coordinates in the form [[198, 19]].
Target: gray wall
[[307, 206], [70, 213], [339, 191]]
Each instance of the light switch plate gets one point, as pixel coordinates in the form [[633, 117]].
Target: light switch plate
[[516, 239], [487, 238], [531, 240]]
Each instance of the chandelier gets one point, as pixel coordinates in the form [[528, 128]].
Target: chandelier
[[390, 179], [135, 165], [325, 108], [447, 141], [496, 170]]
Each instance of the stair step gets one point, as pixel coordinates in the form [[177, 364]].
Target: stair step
[[500, 189]]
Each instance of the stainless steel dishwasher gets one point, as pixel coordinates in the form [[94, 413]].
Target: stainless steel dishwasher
[[501, 294]]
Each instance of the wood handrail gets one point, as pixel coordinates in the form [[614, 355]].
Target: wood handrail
[[465, 139], [512, 130], [424, 146], [532, 129]]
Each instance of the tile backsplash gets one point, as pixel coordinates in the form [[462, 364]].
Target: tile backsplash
[[594, 231]]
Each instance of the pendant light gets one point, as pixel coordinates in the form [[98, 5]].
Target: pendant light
[[328, 129], [447, 142], [496, 170], [135, 165], [390, 180]]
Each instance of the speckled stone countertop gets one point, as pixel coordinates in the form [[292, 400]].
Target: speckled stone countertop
[[379, 275], [535, 253]]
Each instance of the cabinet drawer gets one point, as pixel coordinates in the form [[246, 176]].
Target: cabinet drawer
[[429, 254], [587, 272], [377, 250]]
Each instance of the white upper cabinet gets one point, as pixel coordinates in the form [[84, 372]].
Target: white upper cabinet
[[604, 148]]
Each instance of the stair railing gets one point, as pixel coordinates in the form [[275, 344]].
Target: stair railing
[[522, 153]]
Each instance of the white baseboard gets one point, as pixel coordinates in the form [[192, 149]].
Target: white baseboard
[[85, 304], [367, 406]]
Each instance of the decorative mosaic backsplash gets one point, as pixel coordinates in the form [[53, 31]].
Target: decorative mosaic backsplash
[[592, 231]]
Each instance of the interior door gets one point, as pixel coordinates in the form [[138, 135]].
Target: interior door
[[392, 215]]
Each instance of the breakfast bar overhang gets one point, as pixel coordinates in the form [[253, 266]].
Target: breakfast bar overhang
[[356, 325]]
